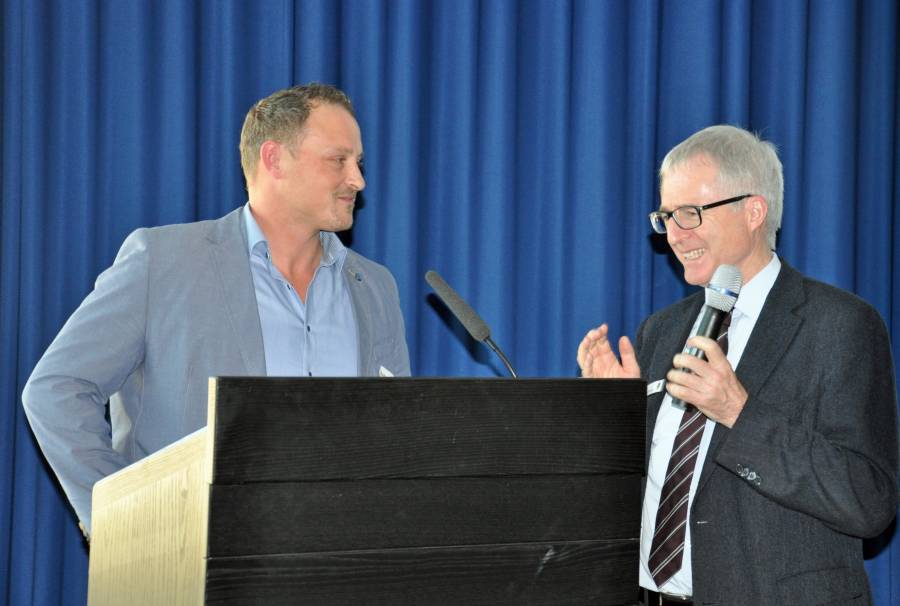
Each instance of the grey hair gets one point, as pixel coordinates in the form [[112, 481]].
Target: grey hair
[[281, 116], [745, 163]]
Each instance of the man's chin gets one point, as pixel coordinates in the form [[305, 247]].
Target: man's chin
[[697, 277], [343, 225]]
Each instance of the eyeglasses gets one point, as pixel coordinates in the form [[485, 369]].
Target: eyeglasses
[[688, 217]]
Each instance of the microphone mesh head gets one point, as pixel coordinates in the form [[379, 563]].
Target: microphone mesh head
[[459, 308], [724, 287]]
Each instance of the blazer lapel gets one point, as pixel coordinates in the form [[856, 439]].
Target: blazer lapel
[[356, 283], [775, 328], [228, 251], [672, 342]]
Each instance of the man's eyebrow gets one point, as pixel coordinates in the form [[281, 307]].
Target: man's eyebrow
[[673, 209], [343, 150]]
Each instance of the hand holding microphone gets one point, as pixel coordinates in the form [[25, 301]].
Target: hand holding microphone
[[701, 374]]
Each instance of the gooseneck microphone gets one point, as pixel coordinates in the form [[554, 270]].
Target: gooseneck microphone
[[721, 295], [466, 316]]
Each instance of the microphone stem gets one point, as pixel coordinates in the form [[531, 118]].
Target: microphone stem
[[490, 343]]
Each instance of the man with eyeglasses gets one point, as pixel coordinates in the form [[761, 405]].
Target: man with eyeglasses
[[794, 458]]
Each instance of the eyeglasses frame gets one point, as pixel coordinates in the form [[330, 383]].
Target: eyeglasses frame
[[666, 215]]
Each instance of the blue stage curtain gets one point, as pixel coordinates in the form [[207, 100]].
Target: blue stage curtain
[[512, 146]]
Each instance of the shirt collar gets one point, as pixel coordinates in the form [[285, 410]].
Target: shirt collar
[[333, 250], [255, 236], [753, 294]]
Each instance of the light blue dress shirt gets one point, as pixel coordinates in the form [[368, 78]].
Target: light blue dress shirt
[[317, 338]]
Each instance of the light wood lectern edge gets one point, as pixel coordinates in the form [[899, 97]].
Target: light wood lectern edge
[[150, 525]]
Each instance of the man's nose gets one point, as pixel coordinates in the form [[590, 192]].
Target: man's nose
[[674, 232], [355, 178]]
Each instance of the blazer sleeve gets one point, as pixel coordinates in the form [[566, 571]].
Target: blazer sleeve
[[830, 452], [98, 349]]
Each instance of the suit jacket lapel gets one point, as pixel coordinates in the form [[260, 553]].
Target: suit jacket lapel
[[228, 251], [671, 341], [775, 328], [362, 312]]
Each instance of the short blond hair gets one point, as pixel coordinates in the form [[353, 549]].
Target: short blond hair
[[281, 116]]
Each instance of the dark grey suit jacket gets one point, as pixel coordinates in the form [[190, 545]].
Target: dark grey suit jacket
[[177, 307], [809, 467]]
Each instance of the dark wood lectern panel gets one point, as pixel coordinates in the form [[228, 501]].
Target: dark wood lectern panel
[[535, 574], [425, 491], [377, 428], [385, 514]]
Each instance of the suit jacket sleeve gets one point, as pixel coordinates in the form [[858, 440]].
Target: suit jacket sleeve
[[819, 434], [97, 350]]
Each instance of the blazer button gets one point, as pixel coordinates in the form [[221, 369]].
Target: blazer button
[[757, 480], [751, 476], [745, 472], [740, 468]]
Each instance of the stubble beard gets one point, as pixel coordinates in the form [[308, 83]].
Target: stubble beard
[[343, 215]]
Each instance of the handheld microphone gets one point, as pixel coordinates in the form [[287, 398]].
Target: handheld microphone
[[721, 295], [466, 316]]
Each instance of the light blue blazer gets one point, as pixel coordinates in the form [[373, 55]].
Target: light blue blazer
[[177, 307]]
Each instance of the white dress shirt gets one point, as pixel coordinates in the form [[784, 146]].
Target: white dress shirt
[[744, 315]]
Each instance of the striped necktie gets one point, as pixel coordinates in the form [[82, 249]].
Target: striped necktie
[[667, 547]]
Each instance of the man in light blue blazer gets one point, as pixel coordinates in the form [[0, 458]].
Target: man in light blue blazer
[[266, 290]]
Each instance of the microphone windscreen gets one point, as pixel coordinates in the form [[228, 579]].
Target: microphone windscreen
[[465, 314], [724, 288]]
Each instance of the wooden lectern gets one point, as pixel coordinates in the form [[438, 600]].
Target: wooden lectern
[[383, 491]]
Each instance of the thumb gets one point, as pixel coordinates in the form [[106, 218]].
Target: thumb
[[629, 358]]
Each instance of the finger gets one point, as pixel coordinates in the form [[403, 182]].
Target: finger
[[686, 387], [682, 378], [629, 358], [676, 391], [600, 339], [585, 345], [690, 363], [600, 333], [708, 346], [589, 346], [581, 355], [680, 392]]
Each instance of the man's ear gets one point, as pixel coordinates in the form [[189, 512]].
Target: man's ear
[[270, 158], [758, 211]]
